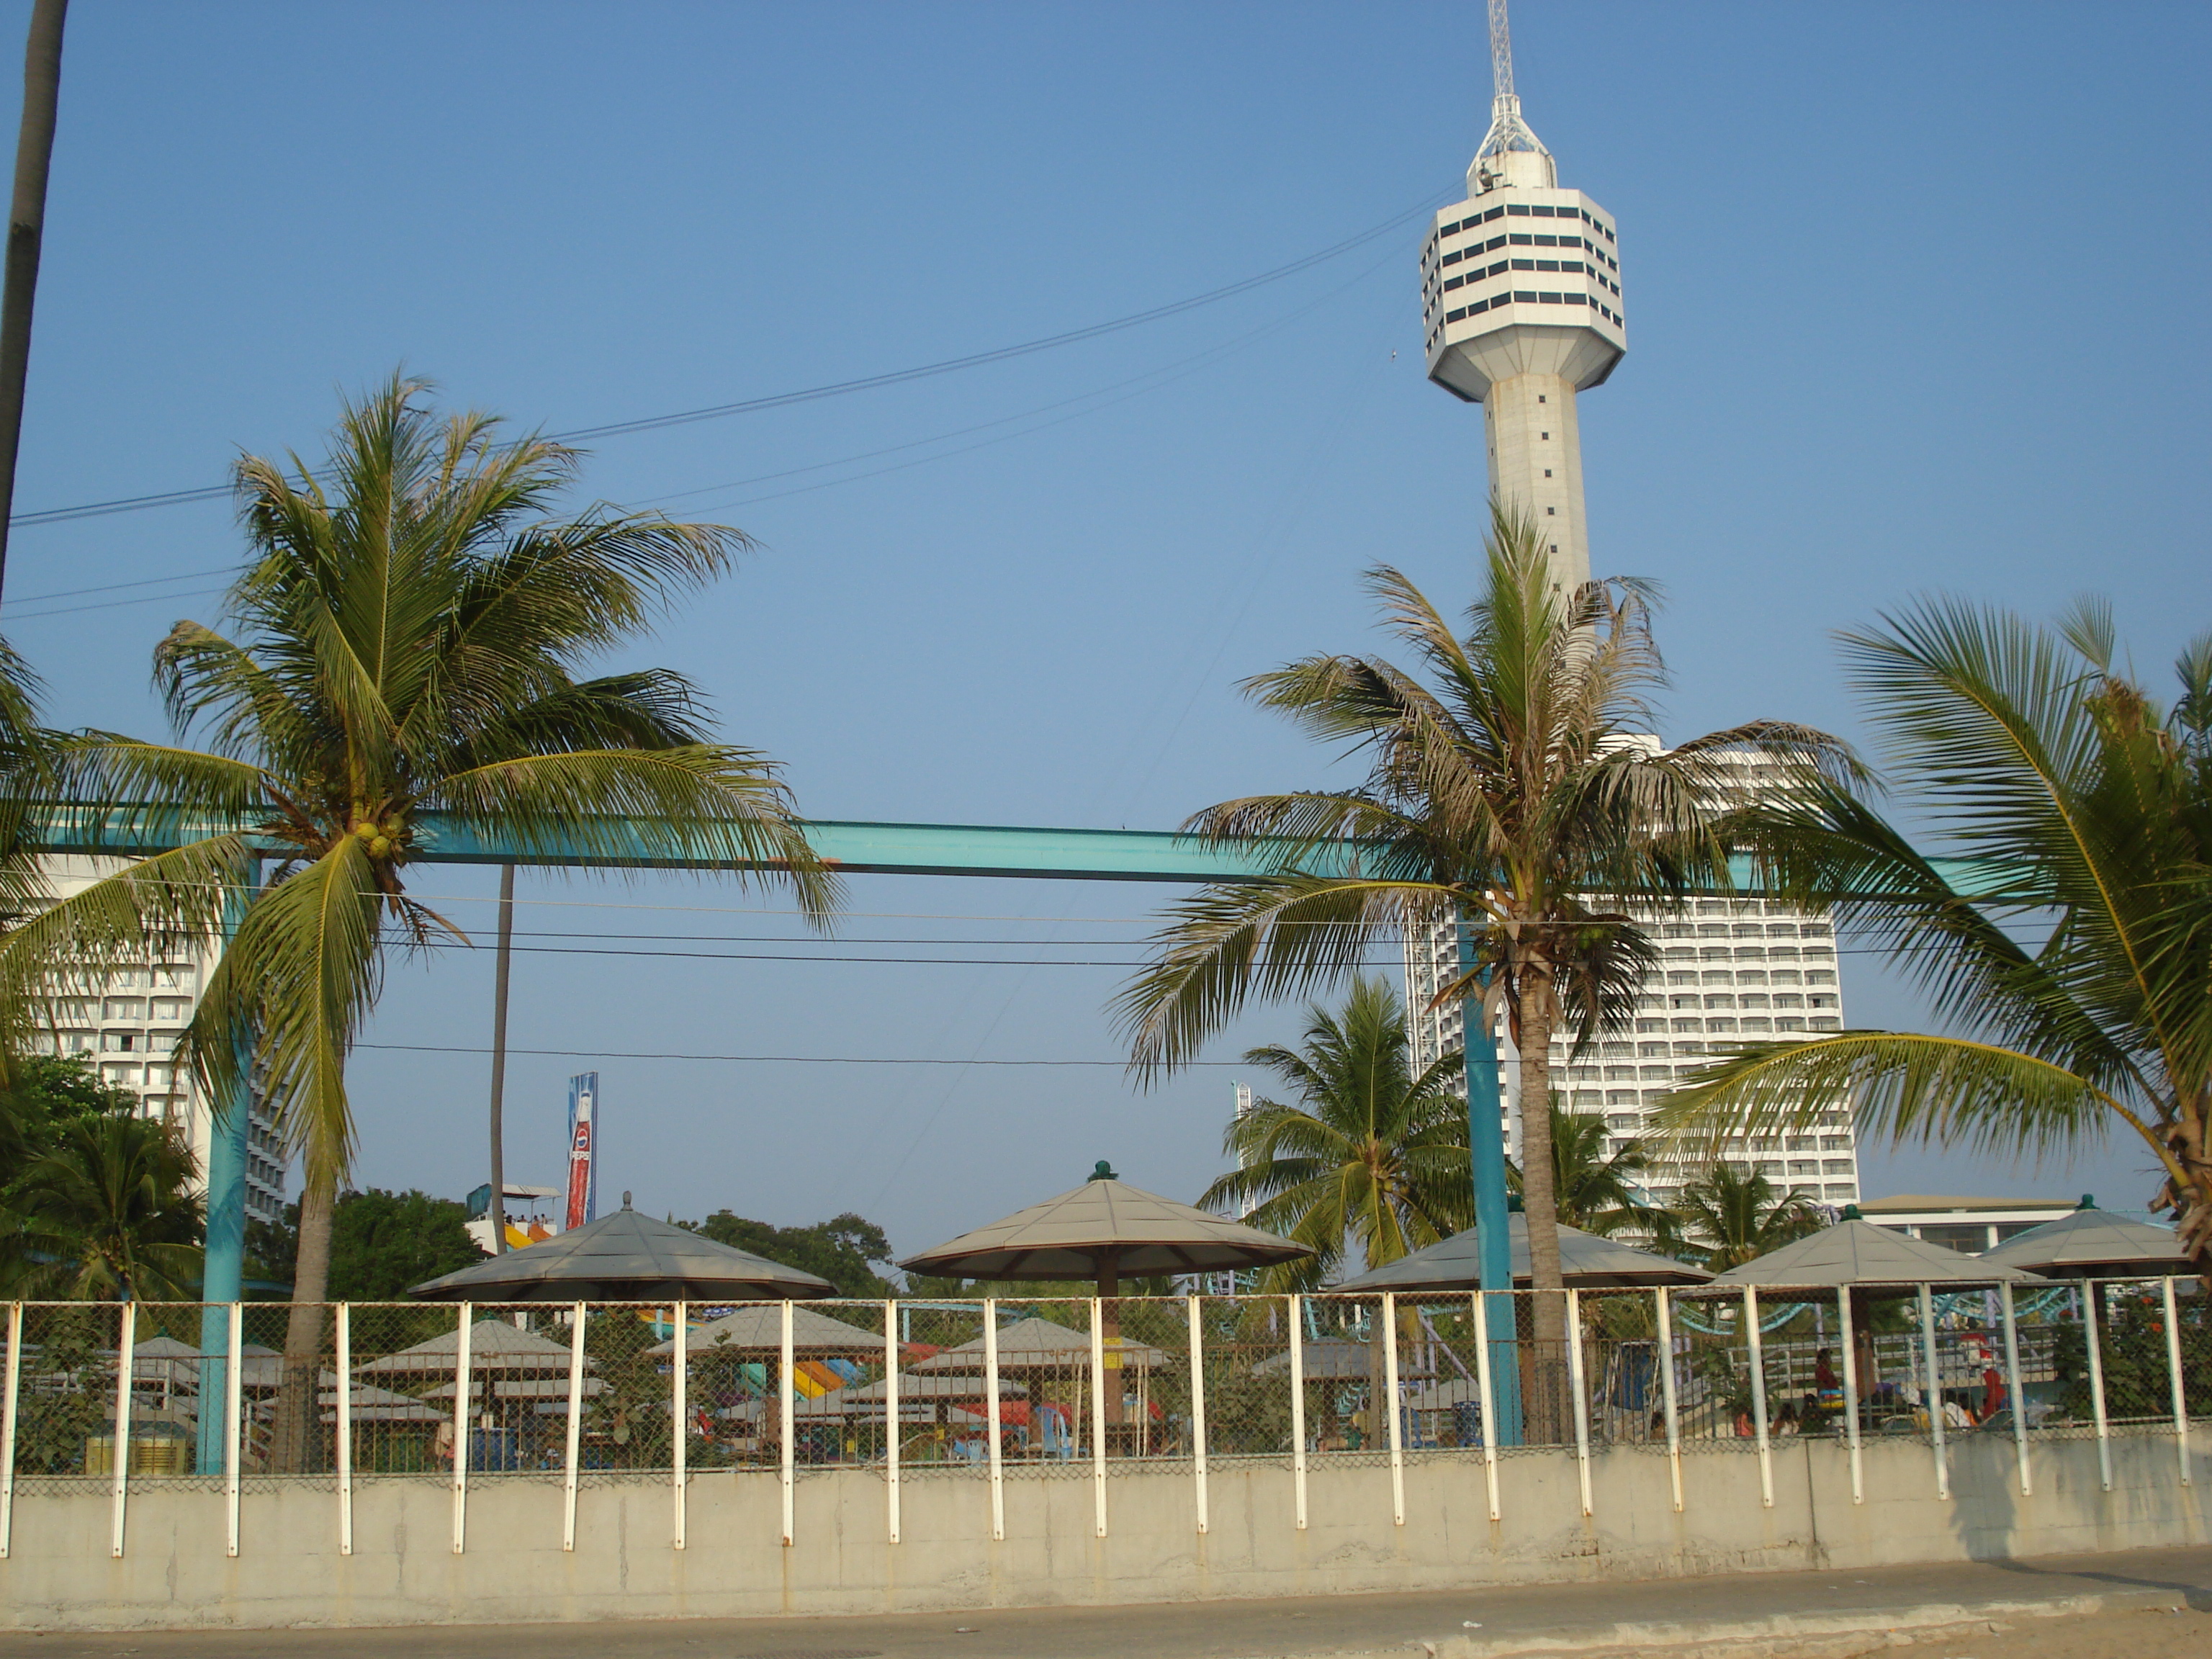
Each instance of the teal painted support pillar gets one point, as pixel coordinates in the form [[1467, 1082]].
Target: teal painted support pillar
[[223, 1278], [1493, 1237]]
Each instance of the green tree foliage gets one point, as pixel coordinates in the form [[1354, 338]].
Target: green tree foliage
[[2086, 805], [1730, 1215], [108, 1213], [46, 1093], [382, 1243], [92, 1198], [1370, 1155], [840, 1249], [1597, 1191], [409, 636], [1509, 782]]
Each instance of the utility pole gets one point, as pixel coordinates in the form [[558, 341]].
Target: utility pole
[[26, 224], [497, 1213]]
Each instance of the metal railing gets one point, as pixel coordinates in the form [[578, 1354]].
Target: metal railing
[[102, 1397]]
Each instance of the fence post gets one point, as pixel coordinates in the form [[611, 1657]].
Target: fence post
[[1578, 1392], [576, 1440], [1666, 1391], [461, 1333], [1298, 1313], [119, 1444], [344, 1405], [2173, 1375], [234, 1422], [2092, 1305], [1099, 1417], [1934, 1393], [1851, 1391], [1755, 1351], [7, 1427], [787, 1397], [994, 1415], [1198, 1410], [891, 1418], [2012, 1387], [1485, 1398], [1397, 1441], [679, 1409]]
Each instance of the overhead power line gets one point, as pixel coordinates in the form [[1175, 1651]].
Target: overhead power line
[[833, 389], [748, 1060]]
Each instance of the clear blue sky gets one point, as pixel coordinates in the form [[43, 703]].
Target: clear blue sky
[[1900, 321]]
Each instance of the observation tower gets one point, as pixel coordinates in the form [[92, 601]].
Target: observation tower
[[1521, 310]]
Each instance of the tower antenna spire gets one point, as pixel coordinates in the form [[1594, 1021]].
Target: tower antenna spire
[[1511, 154]]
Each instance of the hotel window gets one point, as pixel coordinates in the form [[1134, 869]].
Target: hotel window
[[1518, 210]]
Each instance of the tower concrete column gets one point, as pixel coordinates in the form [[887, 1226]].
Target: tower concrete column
[[1535, 456]]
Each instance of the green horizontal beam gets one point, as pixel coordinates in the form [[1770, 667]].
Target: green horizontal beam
[[861, 848]]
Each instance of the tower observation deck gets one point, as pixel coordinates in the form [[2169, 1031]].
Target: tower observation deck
[[1521, 310]]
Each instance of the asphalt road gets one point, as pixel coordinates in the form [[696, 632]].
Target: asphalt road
[[2136, 1586]]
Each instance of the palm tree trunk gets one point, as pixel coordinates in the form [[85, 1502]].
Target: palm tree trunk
[[294, 1436], [26, 227], [1541, 1204]]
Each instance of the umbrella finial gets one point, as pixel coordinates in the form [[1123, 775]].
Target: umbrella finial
[[2089, 1201], [1851, 1213], [1104, 1171], [625, 1198]]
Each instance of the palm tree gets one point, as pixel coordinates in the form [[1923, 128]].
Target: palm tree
[[1369, 1154], [407, 640], [1512, 786], [2070, 958], [1597, 1191], [1731, 1214], [108, 1213]]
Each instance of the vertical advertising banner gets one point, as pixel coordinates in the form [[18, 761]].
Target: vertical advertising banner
[[583, 1150]]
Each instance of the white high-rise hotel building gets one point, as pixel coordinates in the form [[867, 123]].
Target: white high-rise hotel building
[[1521, 310], [126, 1024]]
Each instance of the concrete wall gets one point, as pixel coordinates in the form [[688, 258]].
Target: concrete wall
[[175, 1572]]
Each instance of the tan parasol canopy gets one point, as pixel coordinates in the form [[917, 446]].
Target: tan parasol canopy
[[1032, 1343], [1586, 1262], [625, 1257], [759, 1329], [2093, 1244], [1857, 1254], [1100, 1231]]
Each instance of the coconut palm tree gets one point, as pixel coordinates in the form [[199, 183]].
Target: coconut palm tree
[[1369, 1154], [1730, 1214], [1597, 1191], [407, 637], [2070, 958], [1513, 785], [108, 1213]]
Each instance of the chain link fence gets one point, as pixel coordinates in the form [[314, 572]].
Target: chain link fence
[[524, 1392]]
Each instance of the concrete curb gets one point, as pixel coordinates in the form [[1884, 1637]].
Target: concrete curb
[[1791, 1636]]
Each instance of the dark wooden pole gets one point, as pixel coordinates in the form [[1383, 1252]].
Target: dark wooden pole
[[26, 224], [498, 1210]]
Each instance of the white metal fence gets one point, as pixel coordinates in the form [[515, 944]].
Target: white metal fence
[[115, 1397]]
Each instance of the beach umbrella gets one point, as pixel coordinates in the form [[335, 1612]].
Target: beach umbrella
[[2093, 1244], [1586, 1262], [1100, 1231], [494, 1346], [1032, 1353], [625, 1257], [1857, 1254], [1873, 1263], [759, 1328]]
